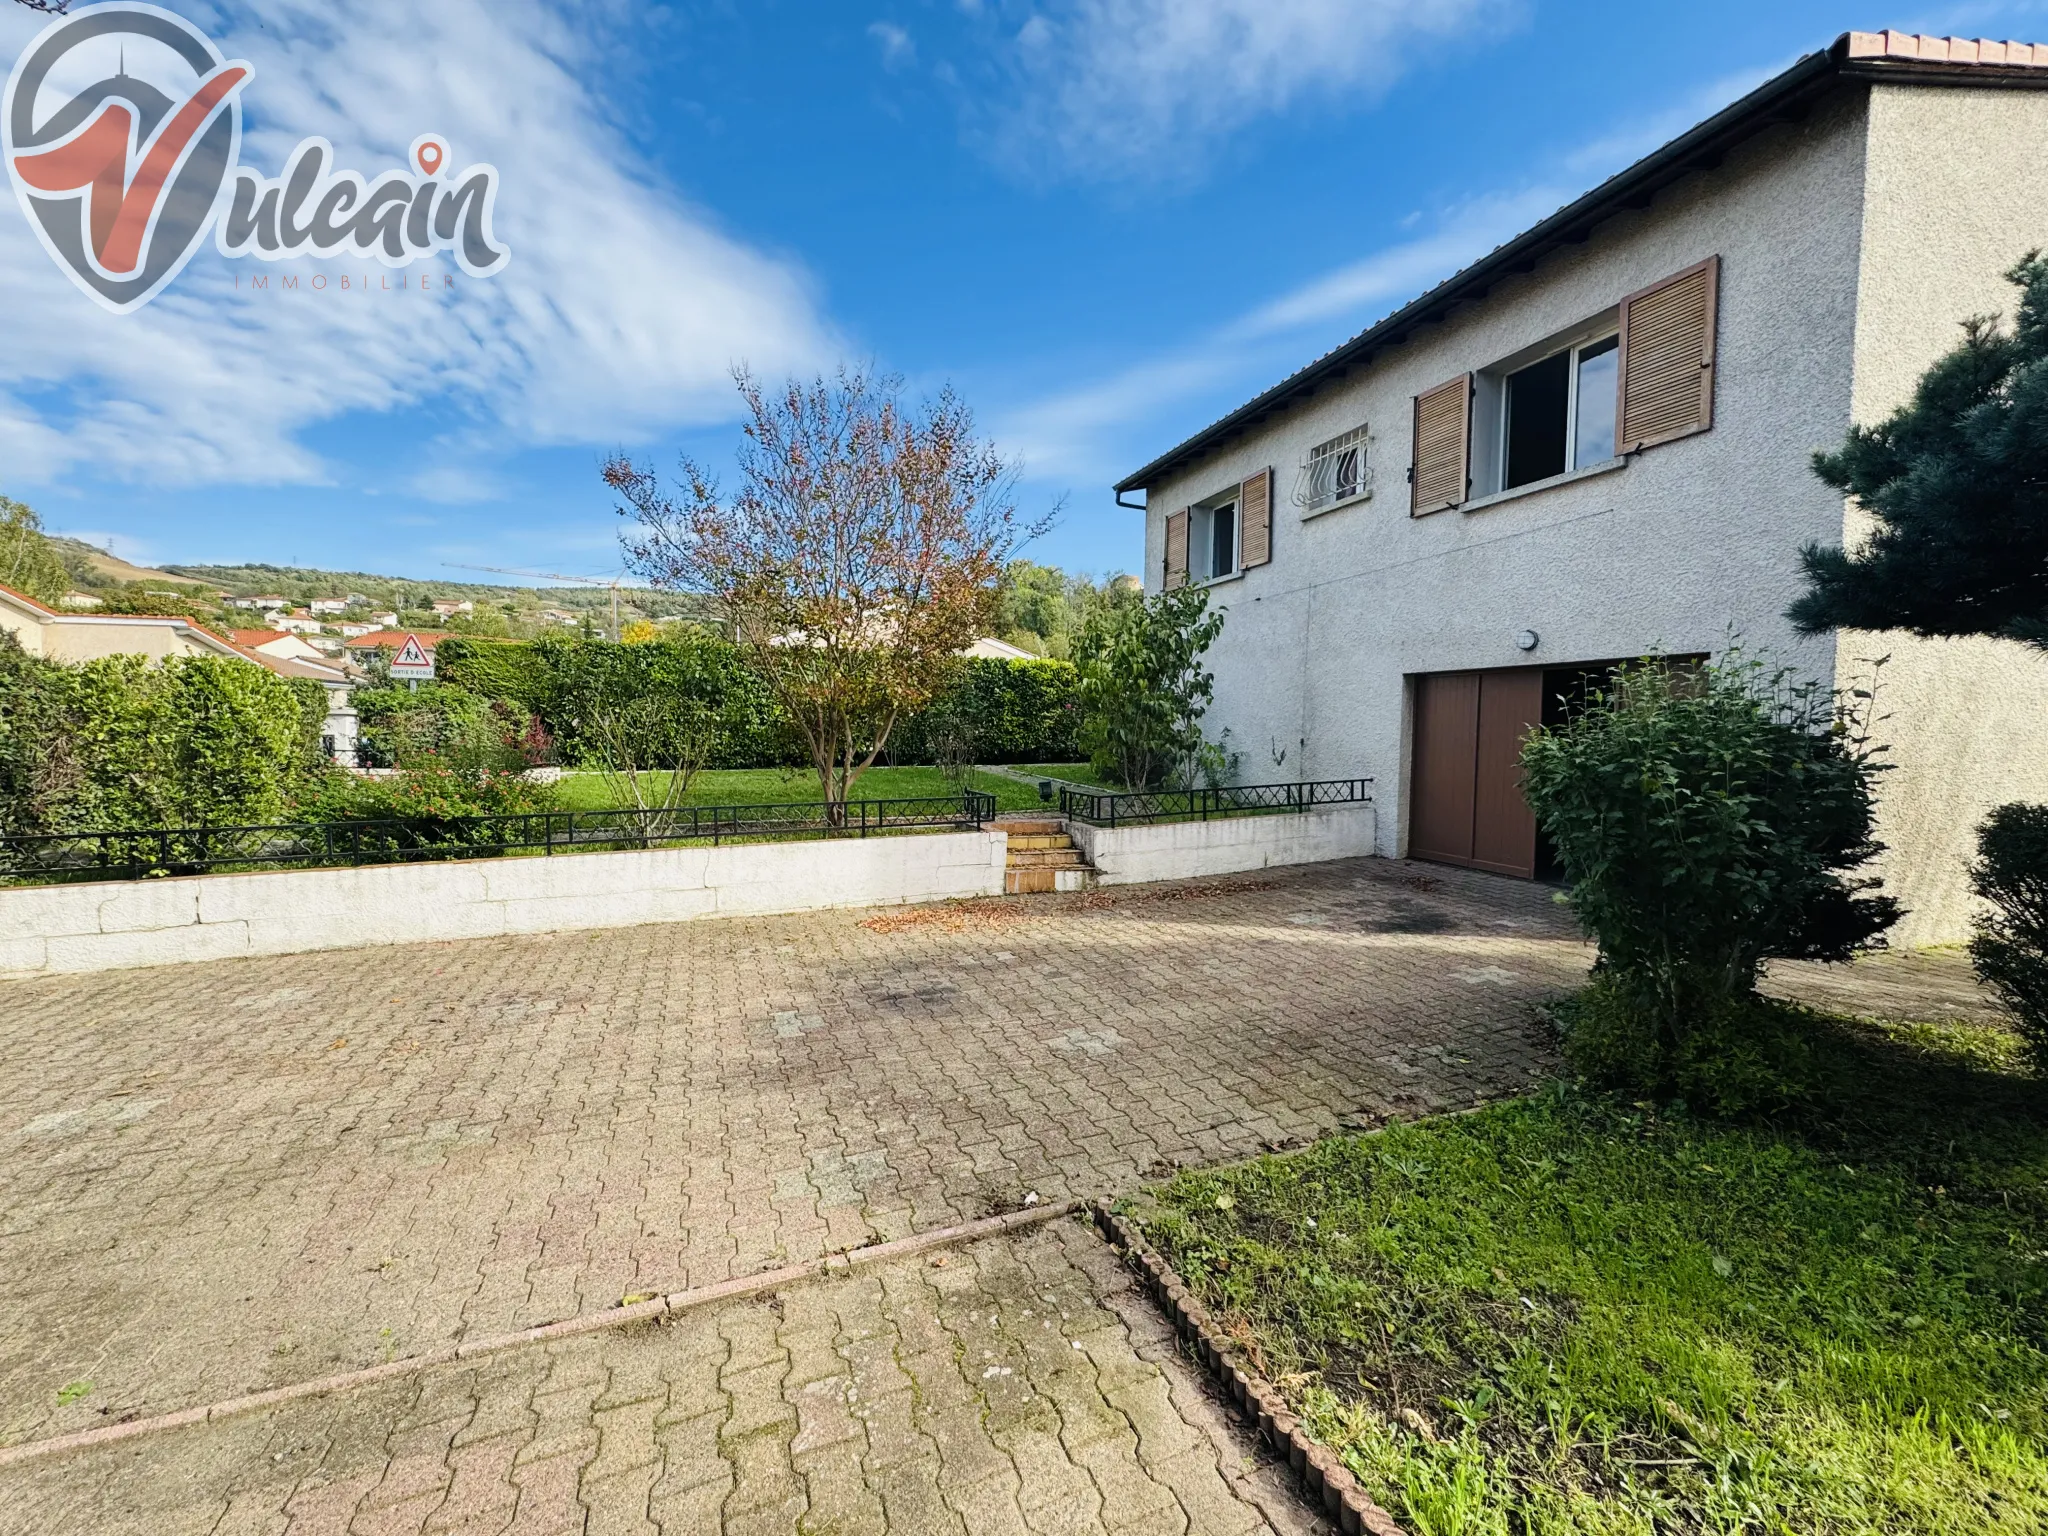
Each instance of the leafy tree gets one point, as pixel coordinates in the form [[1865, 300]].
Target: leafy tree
[[863, 550], [1956, 484], [29, 563], [1143, 687], [1709, 820]]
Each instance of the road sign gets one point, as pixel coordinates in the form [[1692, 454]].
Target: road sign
[[412, 662]]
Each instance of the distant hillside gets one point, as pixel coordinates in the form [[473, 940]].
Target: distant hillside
[[85, 562], [302, 584]]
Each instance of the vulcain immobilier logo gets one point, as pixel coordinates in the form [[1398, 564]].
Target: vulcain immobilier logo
[[122, 131]]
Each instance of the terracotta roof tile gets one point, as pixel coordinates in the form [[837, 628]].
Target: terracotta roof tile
[[1947, 50]]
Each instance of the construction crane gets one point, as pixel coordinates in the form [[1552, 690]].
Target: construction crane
[[581, 581]]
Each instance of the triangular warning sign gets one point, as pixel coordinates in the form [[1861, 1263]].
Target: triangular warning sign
[[410, 654]]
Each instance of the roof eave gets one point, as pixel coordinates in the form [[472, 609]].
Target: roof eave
[[1784, 98]]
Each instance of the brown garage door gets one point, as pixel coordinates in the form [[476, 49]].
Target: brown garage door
[[1466, 804]]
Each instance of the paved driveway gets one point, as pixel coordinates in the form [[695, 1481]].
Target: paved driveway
[[224, 1177]]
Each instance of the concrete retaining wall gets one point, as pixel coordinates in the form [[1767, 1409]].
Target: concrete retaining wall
[[1180, 850], [45, 930]]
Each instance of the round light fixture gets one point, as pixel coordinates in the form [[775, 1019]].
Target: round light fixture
[[1527, 640]]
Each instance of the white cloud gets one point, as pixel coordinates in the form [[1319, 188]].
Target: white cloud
[[620, 315], [1115, 88], [895, 43]]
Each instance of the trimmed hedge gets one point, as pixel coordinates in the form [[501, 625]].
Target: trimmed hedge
[[568, 682], [1012, 711]]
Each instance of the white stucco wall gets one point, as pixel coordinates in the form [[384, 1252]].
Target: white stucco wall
[[1852, 245], [1956, 192], [50, 929], [1690, 541], [1184, 850]]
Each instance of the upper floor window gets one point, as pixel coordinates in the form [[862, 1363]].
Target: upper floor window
[[1557, 413], [1212, 540], [1640, 375], [1336, 472]]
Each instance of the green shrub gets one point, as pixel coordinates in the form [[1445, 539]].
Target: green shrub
[[2011, 946], [1708, 821], [999, 712], [573, 685], [438, 726], [1143, 687]]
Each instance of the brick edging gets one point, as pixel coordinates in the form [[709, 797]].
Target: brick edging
[[1326, 1476], [588, 1322]]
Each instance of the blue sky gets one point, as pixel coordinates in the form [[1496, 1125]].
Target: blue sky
[[1104, 221]]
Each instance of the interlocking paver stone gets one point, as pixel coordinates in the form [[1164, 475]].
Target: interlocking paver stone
[[229, 1176], [914, 1446]]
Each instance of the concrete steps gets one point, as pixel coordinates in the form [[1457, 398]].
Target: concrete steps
[[1042, 857]]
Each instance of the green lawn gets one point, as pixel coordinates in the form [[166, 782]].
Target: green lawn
[[780, 786], [1567, 1314], [1073, 773]]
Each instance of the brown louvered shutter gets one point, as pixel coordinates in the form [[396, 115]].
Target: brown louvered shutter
[[1667, 358], [1177, 549], [1438, 470], [1255, 519]]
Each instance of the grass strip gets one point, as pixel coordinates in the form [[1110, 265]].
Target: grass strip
[[1571, 1314]]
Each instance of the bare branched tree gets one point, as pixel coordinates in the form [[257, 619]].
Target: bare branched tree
[[650, 749], [47, 7], [864, 549]]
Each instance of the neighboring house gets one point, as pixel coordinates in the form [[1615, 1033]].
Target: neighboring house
[[76, 637], [61, 636], [80, 601], [350, 631], [990, 648], [300, 622], [384, 620], [557, 616], [274, 642], [448, 608], [326, 605], [1595, 443]]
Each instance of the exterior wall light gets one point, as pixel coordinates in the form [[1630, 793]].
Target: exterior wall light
[[1528, 640]]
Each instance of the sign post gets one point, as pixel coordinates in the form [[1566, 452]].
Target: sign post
[[412, 663]]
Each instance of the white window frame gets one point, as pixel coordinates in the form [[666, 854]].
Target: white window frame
[[1312, 496], [1202, 537], [1571, 408]]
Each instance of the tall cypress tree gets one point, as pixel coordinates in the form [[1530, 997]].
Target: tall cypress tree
[[1957, 483]]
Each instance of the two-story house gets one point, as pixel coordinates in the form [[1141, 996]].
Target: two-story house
[[1595, 444]]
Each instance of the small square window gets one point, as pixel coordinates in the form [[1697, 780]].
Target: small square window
[[1336, 472]]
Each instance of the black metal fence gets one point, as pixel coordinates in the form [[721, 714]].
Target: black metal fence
[[1105, 809], [135, 855]]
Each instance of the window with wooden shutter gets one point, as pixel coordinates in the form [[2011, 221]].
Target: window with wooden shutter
[[1255, 520], [1177, 549], [1439, 466], [1667, 358]]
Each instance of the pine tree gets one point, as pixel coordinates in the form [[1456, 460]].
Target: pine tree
[[1957, 484]]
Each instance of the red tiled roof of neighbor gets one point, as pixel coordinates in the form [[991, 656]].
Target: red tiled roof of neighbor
[[23, 597], [1946, 50], [256, 637], [392, 639]]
